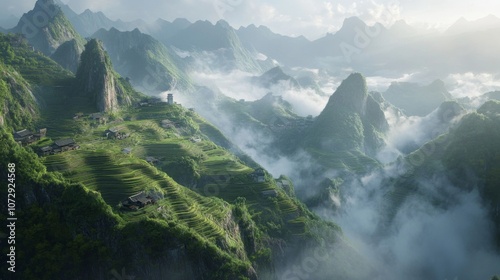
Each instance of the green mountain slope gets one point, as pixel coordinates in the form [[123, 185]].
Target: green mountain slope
[[221, 220], [468, 157], [71, 232], [36, 68], [68, 55], [24, 75], [232, 230], [18, 108], [352, 123]]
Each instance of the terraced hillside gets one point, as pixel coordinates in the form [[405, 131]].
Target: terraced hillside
[[195, 182], [117, 177], [181, 150], [207, 212]]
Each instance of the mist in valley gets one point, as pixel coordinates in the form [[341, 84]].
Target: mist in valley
[[439, 232], [368, 121]]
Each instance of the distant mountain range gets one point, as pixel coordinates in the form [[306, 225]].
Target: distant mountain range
[[466, 26], [47, 35], [465, 46], [217, 213]]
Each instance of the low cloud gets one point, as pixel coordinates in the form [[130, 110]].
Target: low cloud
[[238, 85], [472, 84], [406, 134], [423, 239]]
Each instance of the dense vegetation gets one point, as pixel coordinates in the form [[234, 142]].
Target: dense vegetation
[[223, 224], [33, 66]]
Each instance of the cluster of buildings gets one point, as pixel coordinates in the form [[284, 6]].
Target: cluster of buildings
[[59, 146], [26, 136]]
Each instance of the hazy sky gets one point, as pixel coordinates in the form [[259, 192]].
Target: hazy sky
[[312, 18]]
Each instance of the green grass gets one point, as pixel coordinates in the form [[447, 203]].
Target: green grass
[[118, 176], [101, 166]]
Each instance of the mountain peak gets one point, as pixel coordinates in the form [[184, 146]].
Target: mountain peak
[[49, 8], [48, 35], [352, 22], [274, 76], [222, 23], [352, 120], [351, 94], [96, 77], [98, 81], [466, 26], [181, 21], [438, 84], [45, 2], [400, 24]]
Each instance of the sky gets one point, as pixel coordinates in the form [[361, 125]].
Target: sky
[[311, 18]]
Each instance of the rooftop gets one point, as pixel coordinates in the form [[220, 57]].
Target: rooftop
[[46, 148], [64, 142], [23, 133], [140, 197], [114, 129]]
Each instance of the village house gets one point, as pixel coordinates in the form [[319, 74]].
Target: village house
[[98, 118], [64, 145], [152, 160], [259, 175], [26, 137], [59, 146], [269, 193], [195, 139], [115, 133], [77, 116], [138, 201], [45, 151]]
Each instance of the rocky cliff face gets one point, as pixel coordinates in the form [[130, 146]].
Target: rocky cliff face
[[97, 79], [46, 27]]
